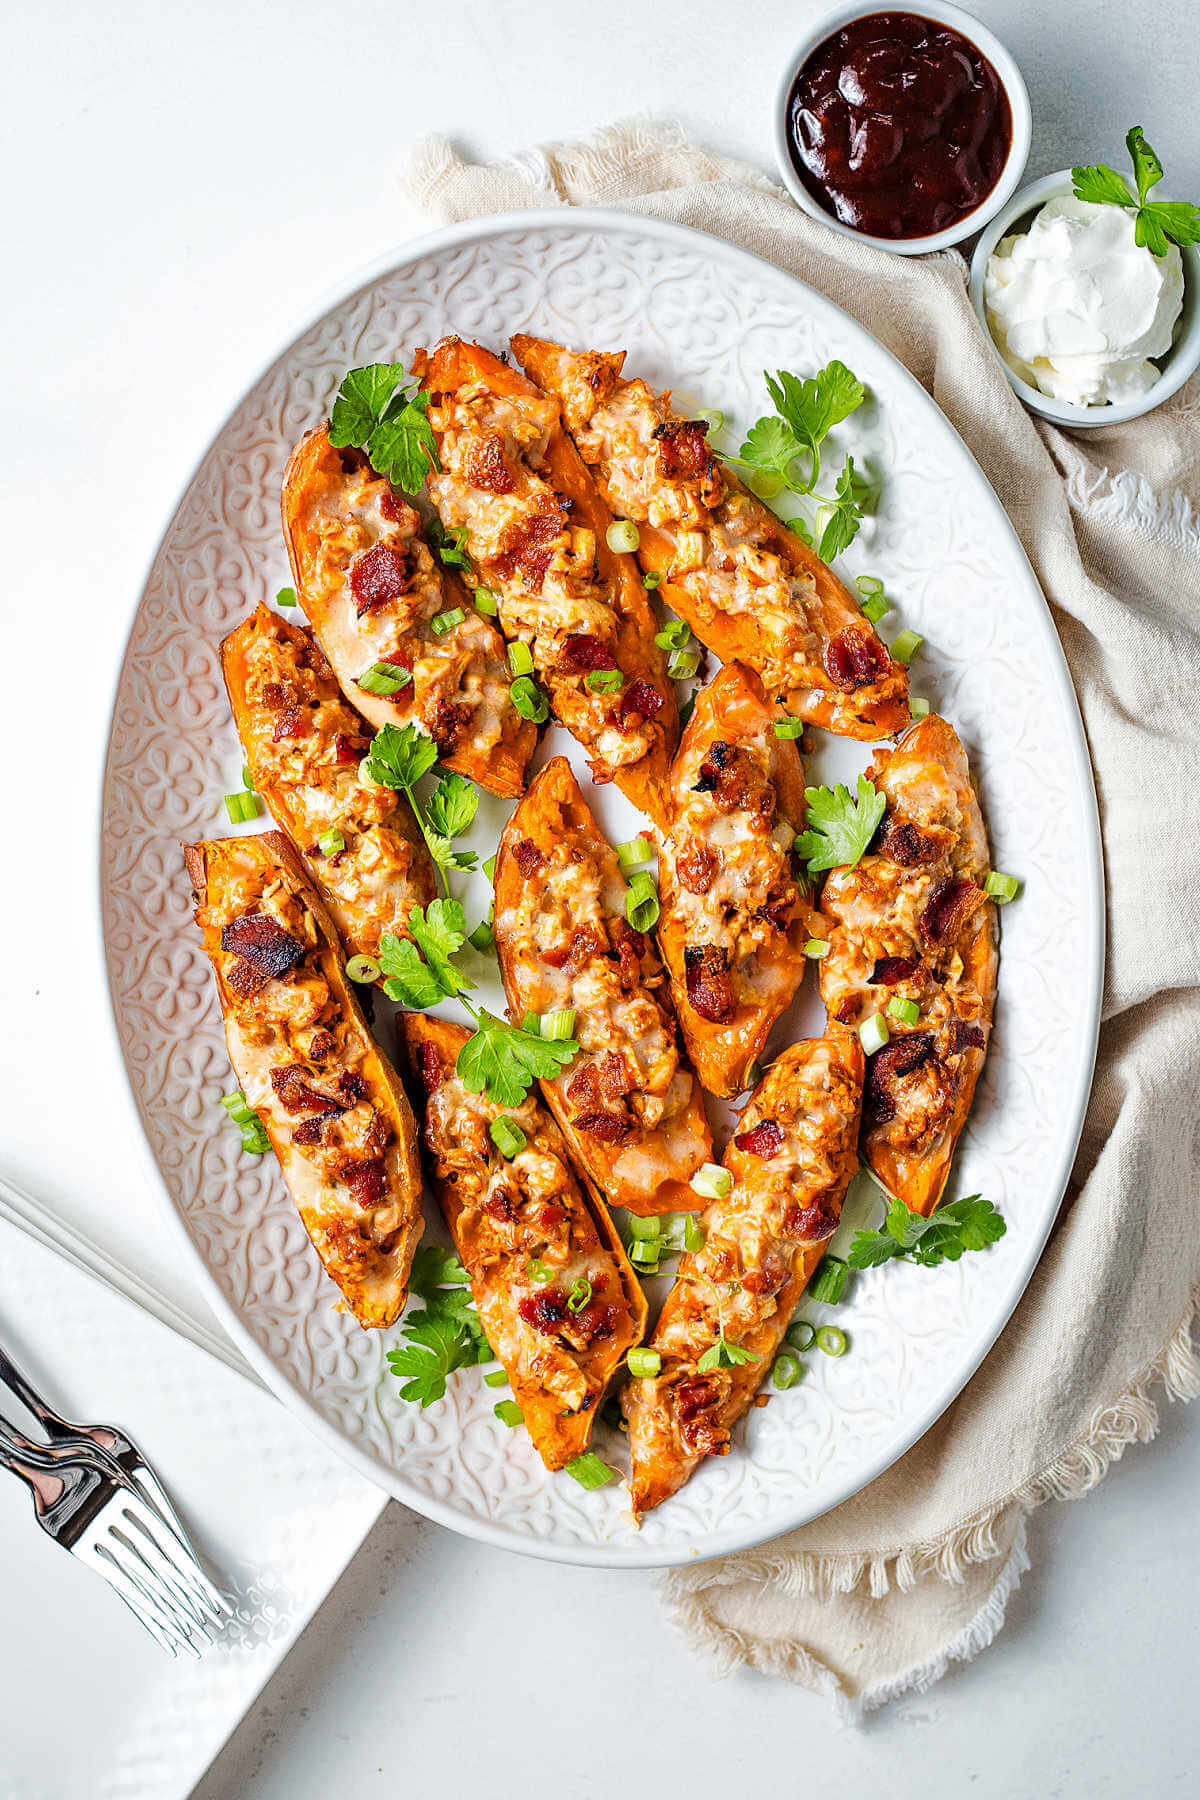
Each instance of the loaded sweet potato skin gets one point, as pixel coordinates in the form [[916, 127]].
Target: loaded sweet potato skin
[[562, 1336], [303, 745], [333, 1107], [749, 588], [371, 586], [537, 536], [629, 1106], [791, 1159], [735, 911], [912, 922]]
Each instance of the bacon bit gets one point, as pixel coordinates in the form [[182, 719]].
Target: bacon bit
[[447, 724], [322, 1045], [968, 1037], [263, 943], [604, 1079], [847, 1010], [311, 1131], [776, 915], [351, 1086], [683, 453], [638, 703], [889, 970], [348, 749], [499, 1207], [584, 654], [244, 980], [527, 857], [546, 1310], [904, 843], [696, 866], [377, 577], [595, 1320], [762, 1139], [693, 1400], [711, 767], [767, 1280], [948, 908], [901, 1057], [585, 943], [429, 1067], [729, 775], [551, 1217], [609, 1128], [290, 724], [855, 658], [313, 657], [532, 545], [631, 947], [366, 1180], [277, 693], [808, 1224], [297, 1096], [709, 989], [393, 507], [485, 466]]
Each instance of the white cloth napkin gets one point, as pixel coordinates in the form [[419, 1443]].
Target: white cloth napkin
[[879, 1596]]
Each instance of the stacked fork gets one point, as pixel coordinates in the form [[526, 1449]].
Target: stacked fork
[[95, 1494]]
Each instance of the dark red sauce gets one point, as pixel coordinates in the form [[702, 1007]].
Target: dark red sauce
[[898, 126]]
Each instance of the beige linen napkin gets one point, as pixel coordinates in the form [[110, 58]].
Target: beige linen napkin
[[879, 1596]]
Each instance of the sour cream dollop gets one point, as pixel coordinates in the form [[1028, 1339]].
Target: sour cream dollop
[[1077, 308]]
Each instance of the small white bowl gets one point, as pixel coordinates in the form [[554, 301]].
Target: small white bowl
[[1181, 360], [1018, 106]]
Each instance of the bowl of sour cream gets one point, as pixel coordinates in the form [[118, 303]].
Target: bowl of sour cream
[[1091, 327]]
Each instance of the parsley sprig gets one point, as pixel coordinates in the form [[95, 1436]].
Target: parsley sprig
[[1156, 222], [785, 446], [839, 826], [419, 968], [724, 1355], [968, 1224], [375, 411], [445, 1335], [504, 1060], [399, 756]]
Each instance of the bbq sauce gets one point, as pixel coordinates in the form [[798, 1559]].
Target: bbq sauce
[[898, 126]]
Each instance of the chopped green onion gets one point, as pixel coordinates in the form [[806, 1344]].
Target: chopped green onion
[[485, 602], [651, 580], [917, 708], [580, 1294], [443, 622], [712, 1182], [489, 868], [645, 1257], [384, 679], [817, 948], [363, 969], [789, 728], [589, 1471], [801, 1335], [559, 1026], [868, 585], [484, 1353], [673, 636], [331, 842], [481, 938], [694, 1234], [238, 1107], [623, 536], [242, 807], [286, 597], [641, 902], [507, 1136], [825, 513], [537, 1272], [520, 657], [906, 646], [604, 681], [832, 1340], [254, 1138], [509, 1413], [636, 850], [829, 1280], [907, 1011], [497, 1378], [682, 664], [765, 483], [874, 609], [644, 1363], [785, 1370], [529, 700], [715, 418], [1001, 888], [247, 778], [645, 1228], [873, 1033]]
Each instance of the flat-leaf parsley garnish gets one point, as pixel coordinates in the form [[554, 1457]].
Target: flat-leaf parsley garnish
[[839, 827], [1156, 222], [968, 1224], [374, 411]]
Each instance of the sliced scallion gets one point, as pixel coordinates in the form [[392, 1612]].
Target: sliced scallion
[[651, 581], [712, 1182], [1001, 888], [694, 1234], [580, 1294], [673, 636], [917, 708], [520, 657], [623, 536], [589, 1471], [829, 1280], [604, 681], [485, 602], [286, 597], [789, 728], [384, 679], [509, 1413], [482, 939], [636, 850], [497, 1378], [906, 646], [874, 609], [247, 778], [832, 1340], [238, 1107], [559, 1026], [644, 1363], [641, 1229], [817, 948], [682, 664], [801, 1335], [785, 1370], [489, 868], [873, 1034], [242, 808], [331, 842], [907, 1011], [868, 585], [507, 1136], [363, 969], [529, 700], [443, 622], [641, 902]]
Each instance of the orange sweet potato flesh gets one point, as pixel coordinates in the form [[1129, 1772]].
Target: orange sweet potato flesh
[[745, 871], [461, 1163], [560, 895]]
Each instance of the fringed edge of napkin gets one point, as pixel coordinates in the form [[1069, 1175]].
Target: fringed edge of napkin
[[1133, 1419]]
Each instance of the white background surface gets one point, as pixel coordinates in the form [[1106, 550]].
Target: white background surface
[[181, 186]]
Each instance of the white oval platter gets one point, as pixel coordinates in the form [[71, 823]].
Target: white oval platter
[[707, 319]]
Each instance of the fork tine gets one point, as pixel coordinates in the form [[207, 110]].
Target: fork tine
[[146, 1544], [159, 1599], [98, 1558], [176, 1548]]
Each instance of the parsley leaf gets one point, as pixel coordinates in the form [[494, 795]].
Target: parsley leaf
[[400, 755], [451, 811], [968, 1224], [840, 518], [410, 981], [839, 828], [771, 444], [505, 1060], [432, 1268], [437, 1346], [1157, 222], [374, 412], [418, 967], [724, 1355], [806, 411]]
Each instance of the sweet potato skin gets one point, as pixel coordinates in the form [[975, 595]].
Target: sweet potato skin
[[209, 864], [557, 1436], [733, 711], [554, 813], [314, 484]]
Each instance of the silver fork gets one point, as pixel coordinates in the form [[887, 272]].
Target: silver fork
[[86, 1501]]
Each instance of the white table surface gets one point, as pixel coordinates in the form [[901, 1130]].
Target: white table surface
[[182, 184]]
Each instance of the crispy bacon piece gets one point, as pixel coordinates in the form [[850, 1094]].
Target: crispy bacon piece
[[366, 1180], [948, 908], [897, 1059], [693, 1400], [808, 1224], [585, 943], [546, 1310], [709, 989], [904, 843], [321, 1045], [349, 749], [696, 866], [311, 1131], [291, 723], [498, 1206], [606, 1127], [968, 1037], [595, 1320], [392, 507], [450, 719], [263, 943], [891, 969], [296, 1096], [683, 454], [729, 775], [486, 468], [631, 947], [776, 915], [768, 1278], [584, 654], [430, 1065], [351, 1086], [380, 575], [762, 1139], [637, 703], [527, 857], [528, 554], [604, 1079], [855, 658]]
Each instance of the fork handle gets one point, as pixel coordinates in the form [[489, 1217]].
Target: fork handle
[[23, 1390]]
